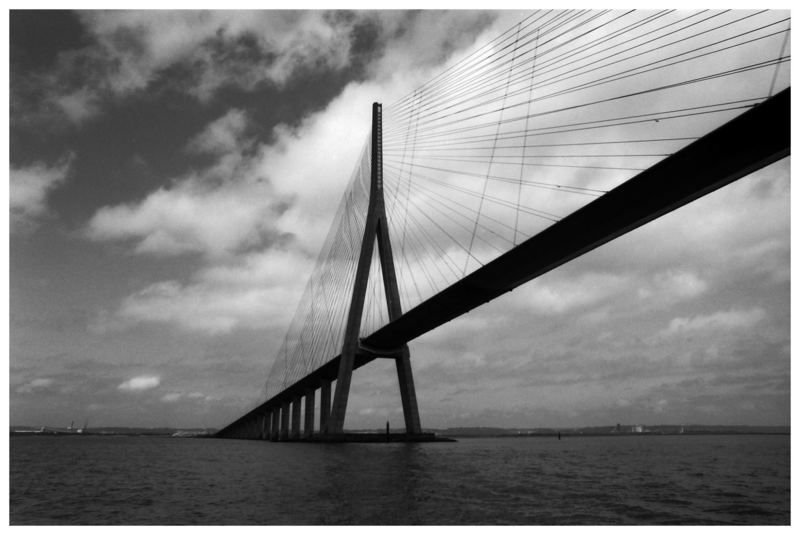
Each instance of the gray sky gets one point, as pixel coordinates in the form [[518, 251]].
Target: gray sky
[[174, 174]]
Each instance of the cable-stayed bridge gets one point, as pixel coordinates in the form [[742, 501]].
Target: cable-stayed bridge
[[566, 131]]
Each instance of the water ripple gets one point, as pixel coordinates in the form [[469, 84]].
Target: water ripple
[[589, 480]]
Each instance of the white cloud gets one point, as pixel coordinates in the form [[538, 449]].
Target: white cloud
[[725, 320], [172, 397], [557, 294], [225, 135], [191, 217], [35, 384], [28, 190], [198, 307], [682, 284], [660, 406], [672, 286], [140, 383], [223, 209], [252, 291], [78, 105]]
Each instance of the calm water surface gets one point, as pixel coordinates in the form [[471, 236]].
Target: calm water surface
[[581, 480]]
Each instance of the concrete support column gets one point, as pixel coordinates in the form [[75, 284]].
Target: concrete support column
[[284, 435], [324, 406], [308, 428], [264, 425], [274, 429], [296, 406], [408, 394]]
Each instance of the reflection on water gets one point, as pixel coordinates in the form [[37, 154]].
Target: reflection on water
[[586, 480]]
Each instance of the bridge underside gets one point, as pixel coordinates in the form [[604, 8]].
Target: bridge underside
[[745, 144], [321, 379]]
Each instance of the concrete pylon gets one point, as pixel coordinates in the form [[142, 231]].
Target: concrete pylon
[[375, 229], [308, 427], [295, 433], [284, 434], [324, 405], [274, 430]]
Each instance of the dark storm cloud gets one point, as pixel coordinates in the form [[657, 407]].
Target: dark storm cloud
[[91, 59], [119, 75]]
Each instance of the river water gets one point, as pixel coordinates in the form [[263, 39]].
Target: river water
[[60, 480]]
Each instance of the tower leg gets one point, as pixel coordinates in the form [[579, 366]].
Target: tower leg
[[408, 394], [348, 356]]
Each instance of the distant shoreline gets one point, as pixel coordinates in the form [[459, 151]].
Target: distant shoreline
[[457, 432], [617, 430], [578, 435]]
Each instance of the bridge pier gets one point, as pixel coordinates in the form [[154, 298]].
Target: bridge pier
[[264, 425], [284, 434], [274, 429], [324, 406], [268, 433], [308, 428], [296, 406]]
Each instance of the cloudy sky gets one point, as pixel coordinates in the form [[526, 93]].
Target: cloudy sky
[[174, 174]]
